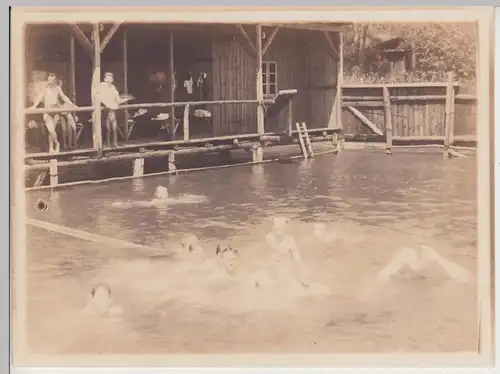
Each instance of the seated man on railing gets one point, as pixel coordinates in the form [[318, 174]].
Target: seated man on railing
[[50, 95], [68, 127]]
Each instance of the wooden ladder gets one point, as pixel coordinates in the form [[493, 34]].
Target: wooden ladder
[[304, 140], [40, 178]]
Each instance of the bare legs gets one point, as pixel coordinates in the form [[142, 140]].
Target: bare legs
[[50, 124], [69, 130], [68, 127], [64, 130], [416, 259], [111, 127], [71, 126]]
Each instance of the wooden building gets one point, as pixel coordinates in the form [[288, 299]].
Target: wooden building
[[395, 49], [147, 58]]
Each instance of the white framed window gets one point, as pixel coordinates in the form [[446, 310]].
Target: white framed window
[[270, 77]]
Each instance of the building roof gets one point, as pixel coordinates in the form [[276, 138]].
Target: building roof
[[87, 28], [385, 41]]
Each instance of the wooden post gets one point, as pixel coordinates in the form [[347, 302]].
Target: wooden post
[[426, 118], [72, 72], [260, 88], [448, 124], [96, 79], [125, 81], [340, 81], [54, 177], [72, 79], [451, 111], [172, 83], [171, 161], [388, 119], [185, 122], [260, 153], [336, 143], [138, 167], [290, 118], [257, 153]]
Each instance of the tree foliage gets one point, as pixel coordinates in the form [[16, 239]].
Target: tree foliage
[[439, 47]]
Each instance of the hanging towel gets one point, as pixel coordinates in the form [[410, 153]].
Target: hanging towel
[[188, 85]]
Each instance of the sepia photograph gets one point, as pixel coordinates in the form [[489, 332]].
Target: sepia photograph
[[203, 183]]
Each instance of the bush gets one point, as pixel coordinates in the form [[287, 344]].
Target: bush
[[439, 48]]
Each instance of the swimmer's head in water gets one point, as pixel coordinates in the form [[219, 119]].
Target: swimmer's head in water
[[191, 243], [100, 298], [100, 289], [161, 192]]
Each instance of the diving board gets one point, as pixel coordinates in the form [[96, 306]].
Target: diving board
[[280, 101]]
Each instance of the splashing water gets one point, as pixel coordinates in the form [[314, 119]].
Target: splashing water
[[161, 192]]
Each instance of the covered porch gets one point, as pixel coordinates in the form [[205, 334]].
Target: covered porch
[[234, 72]]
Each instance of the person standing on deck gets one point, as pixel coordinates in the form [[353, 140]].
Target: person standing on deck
[[50, 96], [109, 96]]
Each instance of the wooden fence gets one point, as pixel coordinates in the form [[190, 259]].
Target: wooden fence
[[418, 111]]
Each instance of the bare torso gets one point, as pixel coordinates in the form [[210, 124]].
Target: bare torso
[[51, 96]]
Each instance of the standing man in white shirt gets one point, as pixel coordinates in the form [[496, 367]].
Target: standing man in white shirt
[[108, 95]]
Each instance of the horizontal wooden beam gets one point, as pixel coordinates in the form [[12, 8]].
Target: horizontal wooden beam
[[363, 104], [398, 85], [30, 157], [147, 105], [408, 98], [144, 154], [89, 152], [423, 138], [58, 110], [193, 103], [308, 26]]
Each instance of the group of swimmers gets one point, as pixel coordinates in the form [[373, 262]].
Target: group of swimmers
[[286, 250], [285, 263], [52, 96]]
